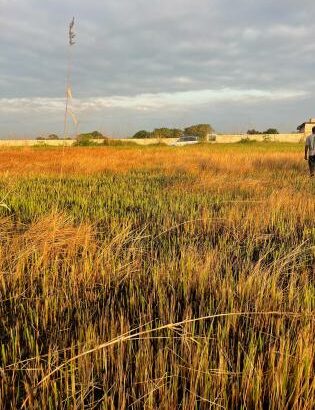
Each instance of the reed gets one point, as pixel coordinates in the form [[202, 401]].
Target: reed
[[168, 278]]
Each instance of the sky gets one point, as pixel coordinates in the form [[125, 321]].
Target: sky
[[139, 64]]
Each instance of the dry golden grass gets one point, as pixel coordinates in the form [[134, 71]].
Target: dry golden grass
[[157, 278], [214, 159]]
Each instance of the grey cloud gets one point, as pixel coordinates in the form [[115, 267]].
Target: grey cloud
[[163, 46]]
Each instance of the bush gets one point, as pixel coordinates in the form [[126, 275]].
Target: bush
[[84, 140], [109, 142], [247, 140], [142, 134], [266, 138]]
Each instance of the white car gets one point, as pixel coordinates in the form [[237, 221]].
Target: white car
[[185, 140]]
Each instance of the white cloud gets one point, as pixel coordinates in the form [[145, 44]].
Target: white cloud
[[286, 32], [145, 102]]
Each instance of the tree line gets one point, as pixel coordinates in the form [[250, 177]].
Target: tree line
[[268, 131], [95, 135], [202, 131], [199, 130]]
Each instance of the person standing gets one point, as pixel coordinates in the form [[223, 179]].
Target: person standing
[[310, 151]]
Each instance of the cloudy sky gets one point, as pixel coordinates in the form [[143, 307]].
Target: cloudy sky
[[140, 64]]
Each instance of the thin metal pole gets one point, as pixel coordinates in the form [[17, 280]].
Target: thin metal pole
[[68, 78]]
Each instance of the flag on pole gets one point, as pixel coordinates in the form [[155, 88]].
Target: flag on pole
[[71, 33], [73, 116], [69, 92], [69, 111]]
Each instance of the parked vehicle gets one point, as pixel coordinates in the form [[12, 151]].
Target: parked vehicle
[[185, 140]]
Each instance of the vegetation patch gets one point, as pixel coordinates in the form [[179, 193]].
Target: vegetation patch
[[157, 278]]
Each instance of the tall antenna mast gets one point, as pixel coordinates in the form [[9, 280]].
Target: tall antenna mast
[[68, 81]]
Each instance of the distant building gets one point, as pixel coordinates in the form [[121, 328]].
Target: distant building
[[306, 127]]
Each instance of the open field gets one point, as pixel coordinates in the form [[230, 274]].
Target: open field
[[157, 278]]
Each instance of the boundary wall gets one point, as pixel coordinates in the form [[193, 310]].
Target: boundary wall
[[220, 139], [37, 143], [229, 138]]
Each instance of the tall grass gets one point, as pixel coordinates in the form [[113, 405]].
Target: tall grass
[[167, 278]]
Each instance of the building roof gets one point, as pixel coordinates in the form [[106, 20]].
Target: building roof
[[311, 121], [301, 126]]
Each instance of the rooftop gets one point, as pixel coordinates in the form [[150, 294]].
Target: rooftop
[[311, 121]]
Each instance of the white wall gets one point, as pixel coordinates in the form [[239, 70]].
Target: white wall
[[221, 138]]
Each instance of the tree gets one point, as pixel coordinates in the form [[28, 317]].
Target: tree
[[142, 134], [49, 137], [87, 139], [253, 132], [271, 131], [167, 133], [53, 137], [200, 130], [95, 135]]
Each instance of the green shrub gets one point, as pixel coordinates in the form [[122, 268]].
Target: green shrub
[[247, 140], [85, 140]]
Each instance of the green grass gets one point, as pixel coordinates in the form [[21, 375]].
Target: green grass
[[89, 258]]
